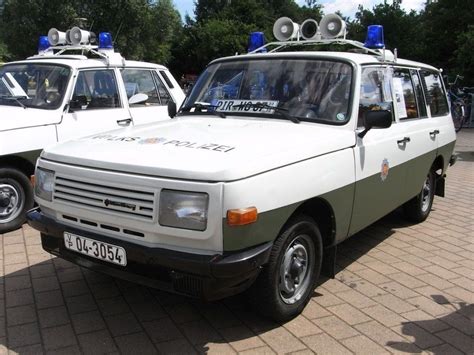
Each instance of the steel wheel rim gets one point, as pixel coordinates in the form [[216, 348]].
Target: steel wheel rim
[[426, 192], [296, 269], [14, 202]]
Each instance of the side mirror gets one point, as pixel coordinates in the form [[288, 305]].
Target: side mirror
[[172, 108], [137, 99], [376, 119], [77, 103]]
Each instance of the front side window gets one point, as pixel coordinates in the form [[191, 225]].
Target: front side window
[[308, 89], [33, 85], [95, 89], [375, 92], [435, 94]]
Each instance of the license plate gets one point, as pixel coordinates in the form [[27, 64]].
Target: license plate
[[95, 249]]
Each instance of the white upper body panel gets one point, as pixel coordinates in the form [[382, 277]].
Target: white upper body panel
[[204, 148]]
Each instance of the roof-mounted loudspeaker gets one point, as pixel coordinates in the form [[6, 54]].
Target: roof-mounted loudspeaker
[[56, 37], [332, 26], [80, 37], [309, 29], [285, 29]]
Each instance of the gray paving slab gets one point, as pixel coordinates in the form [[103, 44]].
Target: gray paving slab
[[400, 288]]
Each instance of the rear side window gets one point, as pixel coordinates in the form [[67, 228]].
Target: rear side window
[[420, 98], [405, 94], [435, 94], [168, 81]]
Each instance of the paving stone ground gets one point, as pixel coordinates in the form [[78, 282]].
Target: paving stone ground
[[399, 288]]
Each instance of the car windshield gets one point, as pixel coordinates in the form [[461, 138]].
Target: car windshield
[[305, 89], [33, 85]]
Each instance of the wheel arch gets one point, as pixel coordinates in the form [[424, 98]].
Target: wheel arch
[[321, 211], [19, 163]]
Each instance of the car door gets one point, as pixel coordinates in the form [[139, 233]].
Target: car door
[[420, 130], [442, 131], [95, 105], [380, 155], [146, 81]]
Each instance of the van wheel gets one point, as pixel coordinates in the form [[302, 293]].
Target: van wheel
[[285, 285], [16, 197], [419, 207]]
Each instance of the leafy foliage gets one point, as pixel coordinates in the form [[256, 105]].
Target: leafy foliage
[[442, 34]]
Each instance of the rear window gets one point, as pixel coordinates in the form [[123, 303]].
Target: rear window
[[435, 93]]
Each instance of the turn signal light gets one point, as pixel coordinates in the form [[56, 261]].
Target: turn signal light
[[242, 216]]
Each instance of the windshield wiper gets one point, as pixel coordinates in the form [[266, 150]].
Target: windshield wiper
[[261, 105], [204, 105], [16, 99]]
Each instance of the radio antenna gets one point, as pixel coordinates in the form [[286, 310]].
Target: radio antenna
[[118, 32]]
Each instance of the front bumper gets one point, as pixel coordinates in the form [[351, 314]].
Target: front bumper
[[209, 277]]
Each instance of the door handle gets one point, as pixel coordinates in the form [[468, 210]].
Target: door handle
[[124, 122], [434, 133], [404, 140]]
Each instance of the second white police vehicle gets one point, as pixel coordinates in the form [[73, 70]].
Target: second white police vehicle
[[70, 89], [272, 161]]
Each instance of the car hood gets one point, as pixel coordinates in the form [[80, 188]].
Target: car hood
[[204, 148], [16, 117]]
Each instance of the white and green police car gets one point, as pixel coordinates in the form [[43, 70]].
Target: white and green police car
[[273, 159], [53, 97]]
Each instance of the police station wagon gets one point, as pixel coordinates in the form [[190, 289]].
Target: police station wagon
[[58, 96], [273, 160]]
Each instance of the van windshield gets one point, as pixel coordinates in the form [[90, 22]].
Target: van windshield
[[305, 89], [33, 85]]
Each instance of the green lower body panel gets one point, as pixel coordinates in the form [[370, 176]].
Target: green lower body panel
[[353, 207]]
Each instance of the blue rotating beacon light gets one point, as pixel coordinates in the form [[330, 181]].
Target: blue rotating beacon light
[[374, 39]]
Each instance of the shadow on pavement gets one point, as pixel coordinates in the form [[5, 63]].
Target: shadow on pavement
[[55, 304], [464, 313]]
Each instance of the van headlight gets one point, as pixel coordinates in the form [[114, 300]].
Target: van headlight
[[183, 209], [44, 183]]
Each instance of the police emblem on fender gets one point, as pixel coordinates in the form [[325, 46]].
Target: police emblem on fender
[[385, 169]]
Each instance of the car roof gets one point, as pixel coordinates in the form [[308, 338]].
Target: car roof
[[82, 62], [358, 58]]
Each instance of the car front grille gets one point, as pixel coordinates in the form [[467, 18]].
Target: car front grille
[[100, 196]]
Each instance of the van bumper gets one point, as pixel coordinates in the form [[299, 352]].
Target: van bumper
[[208, 277]]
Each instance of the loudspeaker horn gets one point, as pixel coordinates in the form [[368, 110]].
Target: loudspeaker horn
[[284, 29], [309, 29], [56, 37], [332, 26], [68, 37], [79, 37]]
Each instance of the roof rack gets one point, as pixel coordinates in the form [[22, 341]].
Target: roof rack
[[383, 54], [108, 55]]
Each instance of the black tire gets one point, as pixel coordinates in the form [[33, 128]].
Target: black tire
[[419, 207], [16, 197], [268, 294]]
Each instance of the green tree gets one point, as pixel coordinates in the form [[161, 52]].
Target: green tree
[[141, 29], [24, 21], [4, 53], [402, 30], [445, 28], [464, 59]]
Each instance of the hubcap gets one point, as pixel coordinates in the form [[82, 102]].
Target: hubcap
[[426, 195], [11, 202], [295, 269]]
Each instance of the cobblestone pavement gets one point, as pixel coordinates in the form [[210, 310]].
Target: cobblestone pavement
[[400, 288]]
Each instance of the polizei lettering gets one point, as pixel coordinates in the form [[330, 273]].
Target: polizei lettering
[[222, 148]]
